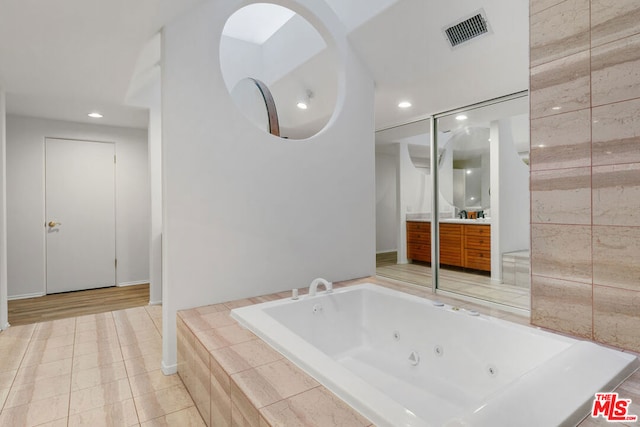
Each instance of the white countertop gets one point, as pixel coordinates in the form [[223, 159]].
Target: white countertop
[[479, 221]]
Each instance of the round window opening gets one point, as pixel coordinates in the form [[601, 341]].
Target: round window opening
[[281, 73]]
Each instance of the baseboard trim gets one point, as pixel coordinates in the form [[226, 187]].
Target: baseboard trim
[[25, 296], [169, 370], [155, 302], [138, 282]]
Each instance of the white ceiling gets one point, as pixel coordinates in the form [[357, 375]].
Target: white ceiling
[[61, 59]]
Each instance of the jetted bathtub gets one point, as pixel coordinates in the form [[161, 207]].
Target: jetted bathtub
[[402, 360]]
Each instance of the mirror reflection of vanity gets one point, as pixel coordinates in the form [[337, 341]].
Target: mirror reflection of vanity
[[483, 181]]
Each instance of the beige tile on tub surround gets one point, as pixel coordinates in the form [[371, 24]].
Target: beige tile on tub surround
[[273, 382], [616, 257], [616, 133], [615, 317], [613, 19], [615, 71], [561, 251], [561, 141], [561, 305], [616, 192], [563, 84], [316, 407], [559, 31], [561, 196]]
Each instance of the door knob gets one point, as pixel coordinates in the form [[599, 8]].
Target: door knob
[[53, 223]]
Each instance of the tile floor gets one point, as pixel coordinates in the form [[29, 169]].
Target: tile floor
[[95, 370]]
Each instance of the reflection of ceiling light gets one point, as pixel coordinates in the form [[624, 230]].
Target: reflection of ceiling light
[[556, 108], [95, 115], [468, 171], [472, 198], [404, 104], [541, 145], [303, 104], [461, 117]]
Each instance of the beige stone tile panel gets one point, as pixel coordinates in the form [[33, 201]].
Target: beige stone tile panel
[[561, 141], [616, 133], [37, 413], [35, 373], [37, 356], [40, 390], [116, 414], [224, 336], [561, 305], [272, 382], [616, 257], [99, 396], [220, 395], [92, 377], [561, 86], [145, 363], [107, 356], [536, 6], [184, 418], [615, 71], [246, 355], [613, 20], [561, 196], [616, 318], [616, 193], [559, 31], [163, 402], [243, 413], [561, 251], [152, 381], [317, 407]]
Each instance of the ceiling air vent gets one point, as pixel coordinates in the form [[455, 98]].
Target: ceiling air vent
[[466, 29]]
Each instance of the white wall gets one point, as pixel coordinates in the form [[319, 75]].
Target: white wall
[[25, 199], [247, 213], [386, 236], [4, 320], [510, 197]]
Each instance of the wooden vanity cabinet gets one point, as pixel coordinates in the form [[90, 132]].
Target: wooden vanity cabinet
[[461, 245], [477, 247], [419, 241], [451, 244]]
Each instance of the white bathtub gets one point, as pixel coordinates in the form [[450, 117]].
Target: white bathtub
[[363, 342]]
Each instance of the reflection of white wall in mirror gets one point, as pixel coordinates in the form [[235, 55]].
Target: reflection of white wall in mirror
[[386, 233], [509, 196], [249, 99], [293, 60]]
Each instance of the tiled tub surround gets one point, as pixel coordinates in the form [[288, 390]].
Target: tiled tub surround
[[585, 168], [244, 382]]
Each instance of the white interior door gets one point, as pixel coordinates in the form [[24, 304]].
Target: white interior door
[[80, 215]]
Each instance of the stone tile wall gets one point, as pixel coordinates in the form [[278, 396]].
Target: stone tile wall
[[585, 168]]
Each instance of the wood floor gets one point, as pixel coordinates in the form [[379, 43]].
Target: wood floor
[[476, 285], [79, 303]]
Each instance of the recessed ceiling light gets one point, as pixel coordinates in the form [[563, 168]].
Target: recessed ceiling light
[[95, 115], [302, 105], [461, 117], [404, 104]]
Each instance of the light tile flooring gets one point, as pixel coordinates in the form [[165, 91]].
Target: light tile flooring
[[457, 281], [95, 370]]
